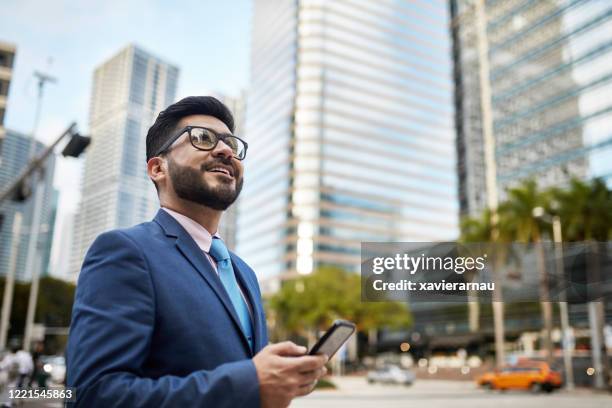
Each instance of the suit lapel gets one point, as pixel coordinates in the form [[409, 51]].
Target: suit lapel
[[254, 303], [190, 250]]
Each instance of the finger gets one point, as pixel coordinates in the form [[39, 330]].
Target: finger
[[306, 389], [311, 376], [308, 363], [308, 378], [322, 370], [287, 348]]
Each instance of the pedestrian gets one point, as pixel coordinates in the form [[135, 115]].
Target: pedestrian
[[19, 366], [164, 314], [39, 373]]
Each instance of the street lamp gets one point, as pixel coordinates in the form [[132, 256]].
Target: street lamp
[[19, 190], [555, 220]]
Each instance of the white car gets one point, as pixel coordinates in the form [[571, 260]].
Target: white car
[[391, 374]]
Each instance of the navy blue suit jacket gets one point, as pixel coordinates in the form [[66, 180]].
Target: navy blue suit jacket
[[152, 325]]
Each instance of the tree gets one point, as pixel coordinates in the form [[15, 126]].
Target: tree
[[54, 307], [521, 225], [585, 210], [481, 229], [515, 223], [309, 304], [475, 229]]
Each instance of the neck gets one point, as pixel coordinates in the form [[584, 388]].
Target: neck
[[205, 216]]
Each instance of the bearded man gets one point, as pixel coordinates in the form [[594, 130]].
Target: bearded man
[[164, 315]]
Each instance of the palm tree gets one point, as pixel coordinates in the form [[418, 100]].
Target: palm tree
[[522, 226], [482, 229], [475, 229], [585, 210]]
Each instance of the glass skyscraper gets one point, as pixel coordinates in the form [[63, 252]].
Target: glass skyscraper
[[229, 220], [128, 92], [7, 59], [549, 70], [14, 158], [350, 129]]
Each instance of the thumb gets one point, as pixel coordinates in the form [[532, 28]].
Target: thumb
[[287, 348]]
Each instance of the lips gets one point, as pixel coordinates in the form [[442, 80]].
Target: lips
[[225, 170]]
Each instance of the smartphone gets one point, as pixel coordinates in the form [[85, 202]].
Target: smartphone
[[333, 338]]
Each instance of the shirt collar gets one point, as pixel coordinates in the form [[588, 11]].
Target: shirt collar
[[199, 234]]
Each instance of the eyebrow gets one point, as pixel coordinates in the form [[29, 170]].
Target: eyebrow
[[223, 132]]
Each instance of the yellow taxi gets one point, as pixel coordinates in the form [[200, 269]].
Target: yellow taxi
[[527, 375]]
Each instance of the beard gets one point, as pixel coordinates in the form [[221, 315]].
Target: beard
[[190, 185]]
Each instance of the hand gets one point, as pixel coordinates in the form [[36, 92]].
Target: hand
[[284, 372]]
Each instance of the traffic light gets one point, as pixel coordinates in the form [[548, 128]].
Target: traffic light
[[76, 145], [22, 191]]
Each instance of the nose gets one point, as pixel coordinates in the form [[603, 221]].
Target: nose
[[223, 149]]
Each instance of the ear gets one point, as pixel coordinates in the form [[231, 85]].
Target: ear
[[157, 169]]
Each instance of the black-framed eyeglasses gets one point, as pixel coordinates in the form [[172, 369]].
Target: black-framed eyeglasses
[[206, 139]]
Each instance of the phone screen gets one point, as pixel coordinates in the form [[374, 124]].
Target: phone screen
[[329, 345]]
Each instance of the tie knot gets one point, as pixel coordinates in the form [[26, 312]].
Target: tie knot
[[218, 250]]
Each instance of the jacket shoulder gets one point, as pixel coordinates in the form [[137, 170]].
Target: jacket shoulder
[[135, 233]]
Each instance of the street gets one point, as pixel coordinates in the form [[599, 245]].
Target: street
[[354, 392]]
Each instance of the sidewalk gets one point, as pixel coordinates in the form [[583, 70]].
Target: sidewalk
[[355, 392]]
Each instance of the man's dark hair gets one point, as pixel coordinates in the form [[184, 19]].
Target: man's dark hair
[[166, 123]]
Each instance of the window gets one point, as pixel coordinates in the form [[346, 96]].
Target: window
[[4, 87], [154, 87], [129, 162], [138, 80], [6, 59]]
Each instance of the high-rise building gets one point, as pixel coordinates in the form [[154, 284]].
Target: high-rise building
[[47, 266], [548, 65], [61, 264], [128, 92], [7, 58], [350, 129], [15, 156], [229, 220]]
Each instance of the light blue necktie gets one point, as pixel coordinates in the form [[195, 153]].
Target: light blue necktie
[[226, 272]]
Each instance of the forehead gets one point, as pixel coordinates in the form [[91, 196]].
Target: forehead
[[204, 120]]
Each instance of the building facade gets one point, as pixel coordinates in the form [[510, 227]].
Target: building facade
[[229, 221], [7, 59], [537, 76], [15, 156], [129, 90], [549, 70], [61, 266], [350, 129]]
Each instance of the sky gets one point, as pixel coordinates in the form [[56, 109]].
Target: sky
[[208, 40]]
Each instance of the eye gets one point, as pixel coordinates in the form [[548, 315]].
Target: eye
[[203, 137], [232, 142]]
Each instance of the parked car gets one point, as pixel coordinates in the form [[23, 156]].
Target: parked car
[[55, 367], [531, 375], [391, 374]]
